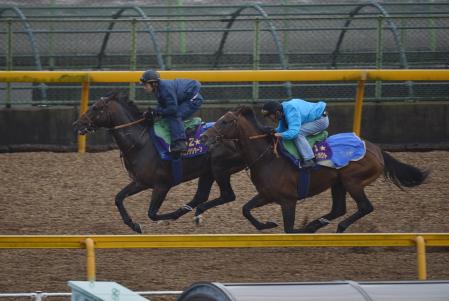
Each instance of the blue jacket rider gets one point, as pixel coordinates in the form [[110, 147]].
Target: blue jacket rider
[[177, 100], [298, 119]]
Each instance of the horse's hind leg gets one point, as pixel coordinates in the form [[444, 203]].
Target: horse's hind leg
[[256, 202], [338, 209], [226, 195], [364, 207], [130, 189], [157, 197], [202, 194]]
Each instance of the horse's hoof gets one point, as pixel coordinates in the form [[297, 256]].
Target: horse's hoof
[[297, 231], [269, 225], [163, 222], [198, 219], [137, 228]]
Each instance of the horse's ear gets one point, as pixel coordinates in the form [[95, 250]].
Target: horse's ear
[[243, 109], [112, 94], [123, 96]]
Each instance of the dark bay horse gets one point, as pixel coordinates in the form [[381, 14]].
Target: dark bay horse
[[276, 179], [141, 159]]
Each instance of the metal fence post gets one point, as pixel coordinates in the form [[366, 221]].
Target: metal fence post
[[90, 259], [168, 48], [133, 58], [83, 108], [359, 104], [38, 296], [9, 61], [379, 53], [256, 56], [421, 257], [182, 33], [51, 39]]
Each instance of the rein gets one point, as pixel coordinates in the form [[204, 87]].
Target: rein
[[128, 124], [275, 144], [259, 157]]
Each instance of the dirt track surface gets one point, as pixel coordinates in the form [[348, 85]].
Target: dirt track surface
[[69, 193]]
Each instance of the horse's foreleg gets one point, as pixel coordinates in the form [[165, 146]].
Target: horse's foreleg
[[338, 209], [256, 202], [226, 195], [363, 205], [131, 189], [288, 213]]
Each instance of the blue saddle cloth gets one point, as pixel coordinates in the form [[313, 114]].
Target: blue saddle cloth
[[340, 149], [336, 151]]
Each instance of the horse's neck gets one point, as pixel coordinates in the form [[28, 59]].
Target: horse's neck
[[130, 138], [256, 152]]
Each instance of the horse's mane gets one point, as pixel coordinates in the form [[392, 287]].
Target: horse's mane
[[249, 113], [123, 99]]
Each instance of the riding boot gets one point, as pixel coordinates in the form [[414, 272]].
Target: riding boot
[[178, 146], [308, 163]]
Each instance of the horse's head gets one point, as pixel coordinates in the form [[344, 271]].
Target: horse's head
[[106, 112], [231, 127], [224, 128]]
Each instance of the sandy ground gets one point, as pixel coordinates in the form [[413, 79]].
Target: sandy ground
[[69, 193]]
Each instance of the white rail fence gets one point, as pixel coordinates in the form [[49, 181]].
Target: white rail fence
[[40, 296]]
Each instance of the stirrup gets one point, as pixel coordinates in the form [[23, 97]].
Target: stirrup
[[309, 164]]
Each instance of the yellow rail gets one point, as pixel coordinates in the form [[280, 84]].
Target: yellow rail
[[359, 75], [89, 242], [229, 75]]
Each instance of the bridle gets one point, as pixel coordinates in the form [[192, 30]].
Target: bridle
[[103, 102], [220, 138]]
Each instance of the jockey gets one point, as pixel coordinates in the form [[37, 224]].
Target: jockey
[[297, 119], [177, 100]]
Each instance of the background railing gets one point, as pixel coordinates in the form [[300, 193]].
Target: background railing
[[248, 36], [92, 242], [358, 76]]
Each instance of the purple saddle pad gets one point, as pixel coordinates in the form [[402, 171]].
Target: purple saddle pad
[[194, 146]]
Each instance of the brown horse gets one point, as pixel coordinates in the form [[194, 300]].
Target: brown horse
[[147, 170], [276, 179]]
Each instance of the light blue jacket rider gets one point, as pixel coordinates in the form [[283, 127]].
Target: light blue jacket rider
[[302, 118]]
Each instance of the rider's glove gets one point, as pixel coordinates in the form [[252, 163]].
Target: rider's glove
[[268, 130], [151, 115]]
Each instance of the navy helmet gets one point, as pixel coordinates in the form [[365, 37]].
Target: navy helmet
[[271, 107], [150, 76]]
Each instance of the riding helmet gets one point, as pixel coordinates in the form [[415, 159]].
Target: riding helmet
[[150, 76], [271, 107]]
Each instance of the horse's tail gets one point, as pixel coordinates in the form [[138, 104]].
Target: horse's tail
[[402, 174]]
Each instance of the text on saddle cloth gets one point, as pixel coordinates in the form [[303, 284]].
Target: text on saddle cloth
[[160, 134]]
